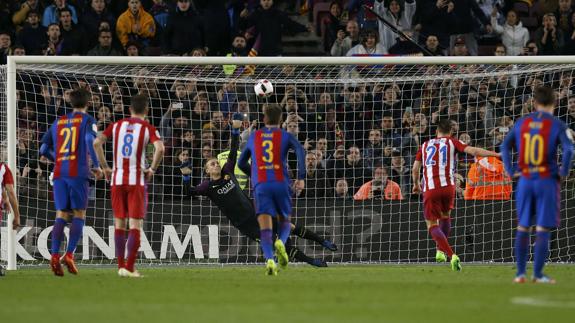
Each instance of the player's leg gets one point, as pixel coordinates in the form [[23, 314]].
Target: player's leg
[[432, 211], [265, 208], [79, 203], [548, 205], [283, 204], [445, 226], [62, 204], [295, 253], [304, 233], [137, 205], [120, 208], [524, 205]]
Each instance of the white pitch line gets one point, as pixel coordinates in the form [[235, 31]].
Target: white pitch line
[[541, 302]]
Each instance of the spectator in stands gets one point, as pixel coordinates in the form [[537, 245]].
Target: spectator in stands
[[437, 18], [345, 40], [21, 15], [54, 43], [32, 35], [373, 149], [200, 113], [467, 14], [331, 26], [132, 48], [513, 35], [184, 30], [369, 45], [392, 103], [400, 171], [104, 118], [399, 17], [135, 24], [270, 23], [380, 187], [365, 19], [160, 11], [239, 46], [563, 14], [569, 48], [570, 116], [352, 167], [216, 26], [405, 46], [18, 50], [173, 119], [432, 46], [531, 49], [550, 40], [52, 13], [460, 48], [317, 184], [5, 43], [93, 17], [74, 35], [104, 47], [389, 135], [500, 50], [341, 190], [219, 126]]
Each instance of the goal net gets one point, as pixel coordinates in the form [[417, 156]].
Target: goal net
[[358, 122]]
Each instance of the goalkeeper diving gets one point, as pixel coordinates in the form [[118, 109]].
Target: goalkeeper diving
[[223, 189]]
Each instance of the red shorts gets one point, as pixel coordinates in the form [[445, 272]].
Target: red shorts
[[438, 200], [129, 201]]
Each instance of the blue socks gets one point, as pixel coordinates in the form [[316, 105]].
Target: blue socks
[[521, 251], [57, 235], [284, 230], [75, 233], [541, 252], [267, 243]]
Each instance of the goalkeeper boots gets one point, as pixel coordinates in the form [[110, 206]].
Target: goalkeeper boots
[[271, 268], [68, 260], [455, 263], [56, 266], [329, 245], [440, 256], [281, 253]]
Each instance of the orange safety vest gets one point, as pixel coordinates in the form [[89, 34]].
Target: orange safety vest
[[487, 180]]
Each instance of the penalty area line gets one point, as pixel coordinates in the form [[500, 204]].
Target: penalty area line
[[542, 302]]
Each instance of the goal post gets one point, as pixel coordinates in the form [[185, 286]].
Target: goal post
[[339, 100]]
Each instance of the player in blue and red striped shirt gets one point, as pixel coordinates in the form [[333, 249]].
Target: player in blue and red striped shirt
[[536, 137], [68, 143], [268, 149]]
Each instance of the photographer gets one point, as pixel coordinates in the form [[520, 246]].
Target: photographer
[[381, 187], [346, 39]]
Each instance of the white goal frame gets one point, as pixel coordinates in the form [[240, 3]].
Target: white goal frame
[[14, 61]]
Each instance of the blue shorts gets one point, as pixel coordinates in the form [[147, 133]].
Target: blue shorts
[[71, 193], [538, 202], [273, 198]]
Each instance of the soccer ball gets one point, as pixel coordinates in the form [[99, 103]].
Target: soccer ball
[[264, 88]]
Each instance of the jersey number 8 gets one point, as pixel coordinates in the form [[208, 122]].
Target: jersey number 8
[[127, 147]]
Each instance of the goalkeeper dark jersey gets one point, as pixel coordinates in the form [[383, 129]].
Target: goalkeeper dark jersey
[[226, 193]]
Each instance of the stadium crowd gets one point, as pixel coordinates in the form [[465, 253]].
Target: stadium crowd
[[360, 139]]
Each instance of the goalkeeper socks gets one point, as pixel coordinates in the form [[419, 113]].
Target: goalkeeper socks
[[284, 230], [75, 233], [307, 234], [445, 225], [521, 251], [541, 252], [295, 253], [266, 242], [120, 242], [440, 240], [133, 246], [57, 235]]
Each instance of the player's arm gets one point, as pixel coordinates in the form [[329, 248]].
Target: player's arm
[[245, 156], [98, 146], [566, 139], [300, 153], [415, 176], [201, 189], [480, 152], [89, 140], [233, 156], [159, 150], [46, 148], [506, 147], [11, 194]]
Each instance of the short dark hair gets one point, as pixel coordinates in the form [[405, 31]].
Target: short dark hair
[[65, 9], [544, 95], [273, 114], [139, 104], [444, 126], [79, 98]]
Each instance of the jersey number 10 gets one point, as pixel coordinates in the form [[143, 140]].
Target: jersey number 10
[[533, 153]]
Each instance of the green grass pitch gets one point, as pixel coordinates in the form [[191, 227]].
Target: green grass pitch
[[378, 293]]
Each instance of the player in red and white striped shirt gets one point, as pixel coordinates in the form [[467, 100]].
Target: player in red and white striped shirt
[[130, 137], [8, 199], [438, 157]]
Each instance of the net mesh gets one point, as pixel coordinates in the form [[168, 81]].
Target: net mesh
[[352, 120]]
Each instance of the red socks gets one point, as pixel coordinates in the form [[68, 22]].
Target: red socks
[[120, 241], [440, 240], [133, 246]]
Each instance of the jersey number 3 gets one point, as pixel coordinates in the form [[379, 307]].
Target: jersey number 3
[[69, 144], [268, 155]]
